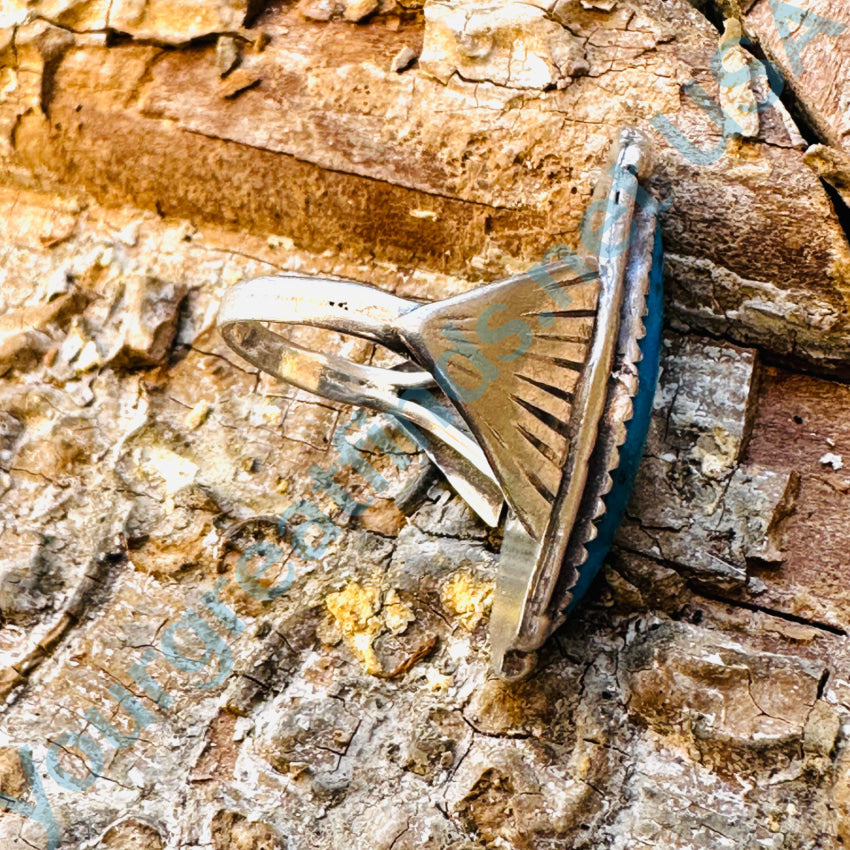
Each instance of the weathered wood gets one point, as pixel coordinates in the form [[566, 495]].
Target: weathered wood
[[152, 155], [503, 174], [810, 43]]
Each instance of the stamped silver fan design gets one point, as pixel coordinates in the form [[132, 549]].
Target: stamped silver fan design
[[524, 373]]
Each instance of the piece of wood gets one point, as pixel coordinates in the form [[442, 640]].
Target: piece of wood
[[810, 44], [153, 154]]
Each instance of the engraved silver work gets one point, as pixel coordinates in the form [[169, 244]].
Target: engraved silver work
[[538, 373]]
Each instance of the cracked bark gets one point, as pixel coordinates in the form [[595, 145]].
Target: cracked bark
[[151, 154]]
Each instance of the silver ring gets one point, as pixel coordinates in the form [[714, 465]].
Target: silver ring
[[543, 379]]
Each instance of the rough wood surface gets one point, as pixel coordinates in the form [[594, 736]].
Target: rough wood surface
[[151, 154]]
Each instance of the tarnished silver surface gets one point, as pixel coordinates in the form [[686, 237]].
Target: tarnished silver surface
[[623, 387], [536, 375]]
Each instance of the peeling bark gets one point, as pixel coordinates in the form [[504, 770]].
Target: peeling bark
[[152, 154]]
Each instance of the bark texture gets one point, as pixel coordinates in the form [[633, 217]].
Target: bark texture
[[153, 153]]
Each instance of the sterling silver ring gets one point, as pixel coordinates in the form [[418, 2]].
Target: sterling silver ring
[[533, 392]]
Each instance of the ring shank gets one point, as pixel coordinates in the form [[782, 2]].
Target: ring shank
[[353, 308], [337, 305]]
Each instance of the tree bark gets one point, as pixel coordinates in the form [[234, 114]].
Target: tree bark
[[152, 154]]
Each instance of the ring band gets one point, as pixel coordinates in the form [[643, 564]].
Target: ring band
[[369, 313]]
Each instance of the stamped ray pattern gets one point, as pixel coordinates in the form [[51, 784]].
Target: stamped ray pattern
[[533, 386]]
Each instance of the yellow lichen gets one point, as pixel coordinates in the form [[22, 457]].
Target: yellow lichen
[[397, 614], [355, 608], [362, 615], [467, 598]]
